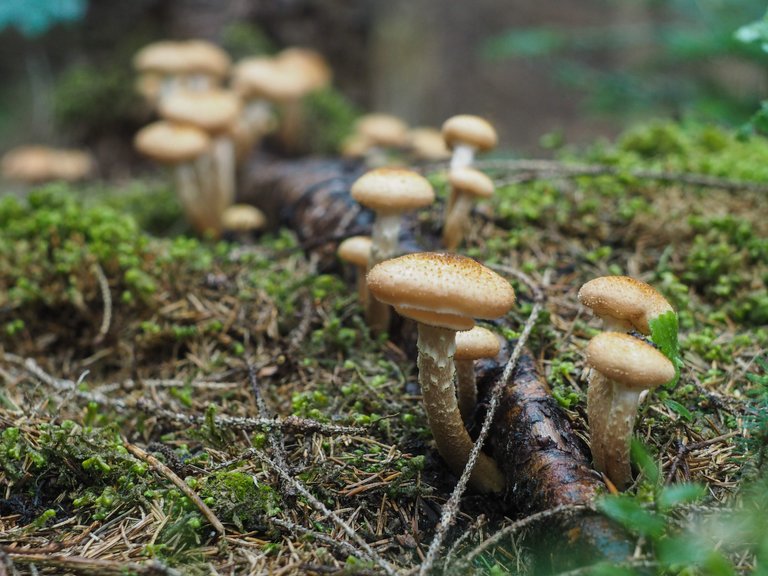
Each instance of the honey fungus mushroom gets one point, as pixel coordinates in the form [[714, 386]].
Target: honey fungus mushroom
[[466, 134], [444, 293], [467, 185], [471, 345], [622, 367]]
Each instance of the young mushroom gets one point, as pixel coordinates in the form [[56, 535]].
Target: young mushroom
[[467, 184], [444, 293], [242, 221], [623, 303], [622, 366], [466, 134], [471, 345], [356, 250], [389, 192]]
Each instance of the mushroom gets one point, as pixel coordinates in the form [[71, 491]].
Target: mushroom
[[205, 65], [623, 303], [381, 132], [241, 221], [36, 164], [214, 111], [466, 134], [389, 192], [471, 345], [622, 367], [356, 250], [252, 80], [160, 66], [467, 184], [444, 293], [181, 147], [427, 144]]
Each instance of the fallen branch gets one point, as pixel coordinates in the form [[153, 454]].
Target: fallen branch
[[84, 565]]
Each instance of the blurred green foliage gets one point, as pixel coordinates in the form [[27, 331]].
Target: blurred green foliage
[[669, 64], [329, 118], [34, 17], [242, 40]]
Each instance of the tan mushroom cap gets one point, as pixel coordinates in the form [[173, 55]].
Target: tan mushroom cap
[[171, 143], [355, 250], [444, 290], [623, 299], [252, 76], [201, 56], [33, 164], [470, 130], [476, 343], [163, 57], [428, 144], [629, 361], [243, 218], [309, 64], [382, 129], [393, 190], [213, 110], [470, 181]]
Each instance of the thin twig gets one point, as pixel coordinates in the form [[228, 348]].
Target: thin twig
[[178, 482], [451, 509], [686, 449], [539, 169], [364, 548], [293, 528], [106, 297], [90, 565]]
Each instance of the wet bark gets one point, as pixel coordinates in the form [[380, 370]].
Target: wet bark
[[545, 463]]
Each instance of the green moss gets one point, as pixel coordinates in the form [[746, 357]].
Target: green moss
[[329, 118], [237, 498]]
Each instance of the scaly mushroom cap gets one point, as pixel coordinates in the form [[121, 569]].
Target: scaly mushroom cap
[[476, 343], [355, 250], [171, 143], [243, 218], [212, 111], [469, 130], [470, 181], [382, 130], [445, 290], [624, 300], [628, 361], [392, 190]]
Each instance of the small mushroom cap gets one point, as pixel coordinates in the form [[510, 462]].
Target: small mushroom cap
[[382, 129], [469, 130], [428, 144], [308, 64], [33, 164], [470, 181], [251, 76], [445, 290], [476, 343], [203, 57], [171, 143], [625, 300], [243, 218], [393, 190], [355, 250], [213, 110], [163, 57], [629, 361]]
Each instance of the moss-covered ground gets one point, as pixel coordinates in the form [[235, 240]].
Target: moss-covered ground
[[252, 379]]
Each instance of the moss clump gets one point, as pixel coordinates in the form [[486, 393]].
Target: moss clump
[[238, 498], [329, 119]]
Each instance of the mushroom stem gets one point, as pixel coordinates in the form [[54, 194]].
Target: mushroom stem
[[611, 410], [466, 388], [362, 286], [384, 238], [224, 164], [188, 190], [436, 370], [463, 156], [456, 220]]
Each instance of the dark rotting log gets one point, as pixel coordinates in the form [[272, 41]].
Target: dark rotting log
[[545, 463]]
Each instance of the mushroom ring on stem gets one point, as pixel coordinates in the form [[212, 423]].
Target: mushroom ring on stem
[[444, 293], [389, 192], [623, 303], [622, 366]]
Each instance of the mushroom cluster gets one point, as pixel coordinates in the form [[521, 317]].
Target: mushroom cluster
[[186, 83], [622, 366]]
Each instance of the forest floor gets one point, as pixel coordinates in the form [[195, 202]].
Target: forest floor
[[172, 406]]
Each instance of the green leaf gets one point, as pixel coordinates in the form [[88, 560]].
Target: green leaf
[[678, 409], [689, 550], [664, 329], [643, 460], [678, 494], [628, 512]]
